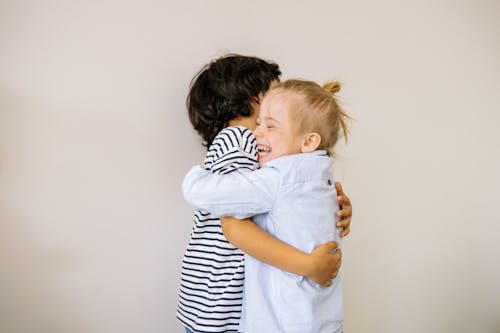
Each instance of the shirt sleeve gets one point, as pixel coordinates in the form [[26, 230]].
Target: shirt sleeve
[[233, 148], [239, 194]]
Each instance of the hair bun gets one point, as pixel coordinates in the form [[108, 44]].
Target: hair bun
[[331, 87]]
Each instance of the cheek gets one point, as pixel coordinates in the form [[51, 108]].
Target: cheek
[[278, 144], [252, 125], [255, 110]]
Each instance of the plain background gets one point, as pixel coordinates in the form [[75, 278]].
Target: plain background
[[95, 141]]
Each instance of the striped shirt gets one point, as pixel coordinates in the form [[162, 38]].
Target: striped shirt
[[212, 276]]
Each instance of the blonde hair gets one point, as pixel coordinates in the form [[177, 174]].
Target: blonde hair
[[319, 110]]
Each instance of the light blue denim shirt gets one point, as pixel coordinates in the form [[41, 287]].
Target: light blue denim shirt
[[294, 199]]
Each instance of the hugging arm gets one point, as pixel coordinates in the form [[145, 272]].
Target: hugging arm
[[248, 194], [235, 194], [321, 265], [345, 212]]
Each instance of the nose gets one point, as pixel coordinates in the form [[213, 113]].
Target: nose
[[257, 131]]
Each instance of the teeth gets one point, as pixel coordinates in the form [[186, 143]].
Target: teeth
[[263, 149]]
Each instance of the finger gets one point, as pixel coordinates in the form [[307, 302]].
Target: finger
[[343, 201], [344, 205], [341, 194], [345, 232], [338, 255], [343, 198], [338, 187], [344, 223], [327, 247], [345, 211], [334, 270]]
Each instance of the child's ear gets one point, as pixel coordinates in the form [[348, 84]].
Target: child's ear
[[311, 142]]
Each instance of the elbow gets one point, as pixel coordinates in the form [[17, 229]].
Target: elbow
[[188, 189], [187, 193], [194, 200]]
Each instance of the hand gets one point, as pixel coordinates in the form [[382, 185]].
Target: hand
[[326, 263], [345, 212]]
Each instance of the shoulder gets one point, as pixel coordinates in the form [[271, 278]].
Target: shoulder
[[317, 156], [234, 137], [235, 146], [302, 166]]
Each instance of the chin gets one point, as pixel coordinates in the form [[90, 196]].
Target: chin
[[262, 162]]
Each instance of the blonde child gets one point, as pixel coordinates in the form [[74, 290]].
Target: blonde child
[[292, 197]]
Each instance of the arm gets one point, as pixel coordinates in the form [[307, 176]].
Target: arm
[[321, 265], [345, 212], [237, 194]]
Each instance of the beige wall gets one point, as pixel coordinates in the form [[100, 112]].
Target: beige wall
[[94, 142]]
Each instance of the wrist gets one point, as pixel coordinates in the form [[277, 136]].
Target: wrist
[[309, 265]]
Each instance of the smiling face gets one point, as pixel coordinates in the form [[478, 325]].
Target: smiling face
[[275, 133]]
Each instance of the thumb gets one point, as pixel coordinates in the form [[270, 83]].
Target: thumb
[[338, 187], [328, 247]]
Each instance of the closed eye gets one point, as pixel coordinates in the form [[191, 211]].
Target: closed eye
[[270, 123]]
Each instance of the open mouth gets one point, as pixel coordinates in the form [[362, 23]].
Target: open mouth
[[263, 150]]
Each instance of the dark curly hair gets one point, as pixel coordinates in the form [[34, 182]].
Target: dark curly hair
[[223, 90]]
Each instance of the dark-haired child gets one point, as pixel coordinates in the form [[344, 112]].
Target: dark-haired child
[[223, 102]]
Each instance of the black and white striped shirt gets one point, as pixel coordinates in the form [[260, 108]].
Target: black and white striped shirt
[[212, 275]]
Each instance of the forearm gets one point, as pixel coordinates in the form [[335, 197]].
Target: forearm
[[236, 194], [251, 239]]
